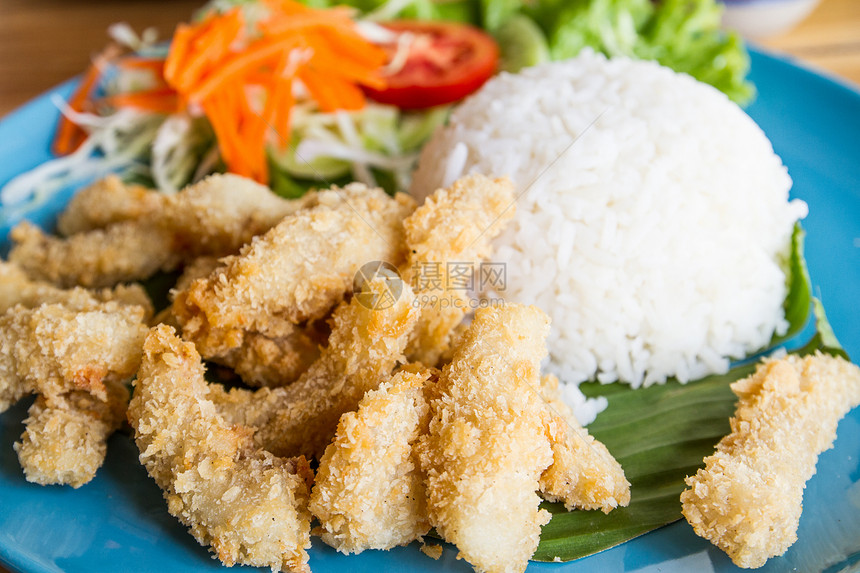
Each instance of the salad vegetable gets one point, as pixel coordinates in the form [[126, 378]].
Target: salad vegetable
[[69, 135], [441, 63], [284, 91], [684, 35], [243, 78]]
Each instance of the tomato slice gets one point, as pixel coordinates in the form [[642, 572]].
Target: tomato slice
[[445, 63]]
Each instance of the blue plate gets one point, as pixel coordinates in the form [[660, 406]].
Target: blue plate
[[119, 521]]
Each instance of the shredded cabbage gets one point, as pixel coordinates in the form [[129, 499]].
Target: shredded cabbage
[[326, 146], [179, 146], [116, 142]]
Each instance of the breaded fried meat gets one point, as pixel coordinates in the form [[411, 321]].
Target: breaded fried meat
[[248, 505], [748, 498]]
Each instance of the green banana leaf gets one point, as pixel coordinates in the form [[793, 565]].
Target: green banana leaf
[[799, 287]]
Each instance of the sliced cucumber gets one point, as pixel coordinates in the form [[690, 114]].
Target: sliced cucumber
[[522, 44], [319, 168], [416, 128]]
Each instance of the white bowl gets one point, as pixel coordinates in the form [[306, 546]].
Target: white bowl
[[762, 18]]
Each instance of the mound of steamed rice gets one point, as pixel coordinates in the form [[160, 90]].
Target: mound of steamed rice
[[653, 217]]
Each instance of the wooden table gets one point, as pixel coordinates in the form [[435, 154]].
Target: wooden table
[[44, 42], [829, 39]]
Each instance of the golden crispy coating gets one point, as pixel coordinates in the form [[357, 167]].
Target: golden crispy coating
[[196, 269], [487, 447], [364, 347], [130, 295], [126, 251], [583, 474], [748, 498], [431, 550], [75, 358], [57, 348], [453, 227], [222, 212], [17, 288], [249, 506], [263, 361], [259, 360], [105, 202], [296, 272], [369, 491], [214, 217], [66, 437], [232, 403]]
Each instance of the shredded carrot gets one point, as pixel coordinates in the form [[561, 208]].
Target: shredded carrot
[[350, 44], [342, 64], [281, 121], [179, 51], [216, 63], [243, 79], [208, 47], [235, 67], [69, 135], [262, 123], [338, 17], [160, 100], [318, 89]]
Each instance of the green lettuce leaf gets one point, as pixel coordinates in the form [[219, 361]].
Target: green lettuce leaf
[[608, 26], [684, 35], [494, 13], [660, 435]]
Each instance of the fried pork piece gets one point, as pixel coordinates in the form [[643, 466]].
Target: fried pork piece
[[249, 506], [75, 359], [130, 295], [213, 217], [259, 360], [105, 202], [296, 272], [747, 500], [17, 288], [196, 269], [369, 491], [487, 445], [364, 347], [583, 474], [57, 348], [451, 230], [221, 213], [273, 362], [66, 437], [124, 252]]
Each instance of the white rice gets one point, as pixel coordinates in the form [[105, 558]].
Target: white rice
[[652, 220]]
